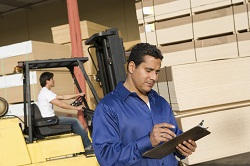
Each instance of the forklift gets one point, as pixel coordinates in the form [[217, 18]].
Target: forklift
[[42, 141]]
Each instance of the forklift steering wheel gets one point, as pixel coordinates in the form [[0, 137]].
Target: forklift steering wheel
[[88, 113], [78, 101]]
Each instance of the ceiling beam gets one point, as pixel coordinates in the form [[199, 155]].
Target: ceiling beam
[[12, 3]]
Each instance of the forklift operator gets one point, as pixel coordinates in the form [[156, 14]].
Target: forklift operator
[[46, 100], [134, 118]]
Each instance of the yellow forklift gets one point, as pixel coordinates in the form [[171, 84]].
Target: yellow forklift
[[41, 141]]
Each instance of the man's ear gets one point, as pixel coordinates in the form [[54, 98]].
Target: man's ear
[[47, 81], [131, 67]]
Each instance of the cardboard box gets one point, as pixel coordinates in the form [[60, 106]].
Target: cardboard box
[[229, 134], [163, 85], [203, 5], [142, 33], [171, 89], [165, 9], [174, 30], [243, 44], [148, 11], [30, 50], [12, 89], [89, 96], [61, 33], [248, 9], [148, 34], [155, 87], [16, 110], [212, 83], [211, 109], [129, 44], [88, 28], [180, 53], [213, 23], [240, 17], [238, 1], [223, 47], [89, 65]]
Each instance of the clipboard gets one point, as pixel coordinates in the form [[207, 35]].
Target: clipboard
[[166, 148]]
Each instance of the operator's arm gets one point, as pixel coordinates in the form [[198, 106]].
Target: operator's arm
[[109, 148], [67, 97], [64, 105]]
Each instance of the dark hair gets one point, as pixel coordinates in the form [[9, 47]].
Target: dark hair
[[140, 50], [44, 77]]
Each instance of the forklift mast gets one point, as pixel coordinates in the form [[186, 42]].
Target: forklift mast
[[110, 58]]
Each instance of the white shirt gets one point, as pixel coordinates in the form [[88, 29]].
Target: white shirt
[[45, 96], [149, 105]]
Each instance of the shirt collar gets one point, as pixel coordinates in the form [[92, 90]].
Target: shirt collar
[[124, 92]]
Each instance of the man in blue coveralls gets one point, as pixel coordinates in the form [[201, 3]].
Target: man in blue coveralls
[[134, 118]]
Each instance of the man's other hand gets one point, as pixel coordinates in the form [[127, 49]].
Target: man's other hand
[[187, 147], [161, 133], [81, 94]]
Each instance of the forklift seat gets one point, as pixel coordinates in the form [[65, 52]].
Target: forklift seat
[[46, 126]]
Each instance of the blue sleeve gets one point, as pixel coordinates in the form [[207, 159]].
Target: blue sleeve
[[107, 144]]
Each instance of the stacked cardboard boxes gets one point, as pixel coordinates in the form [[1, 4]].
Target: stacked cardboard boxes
[[211, 25], [205, 70], [61, 35], [229, 128], [11, 84]]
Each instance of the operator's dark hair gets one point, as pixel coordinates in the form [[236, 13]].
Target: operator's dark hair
[[142, 49], [44, 77]]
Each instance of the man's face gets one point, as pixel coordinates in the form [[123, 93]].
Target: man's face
[[145, 75], [51, 82]]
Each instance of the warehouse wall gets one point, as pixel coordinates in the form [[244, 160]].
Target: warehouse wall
[[35, 23]]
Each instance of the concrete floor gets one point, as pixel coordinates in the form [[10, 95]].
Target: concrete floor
[[238, 160]]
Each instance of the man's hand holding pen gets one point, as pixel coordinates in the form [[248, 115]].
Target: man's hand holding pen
[[163, 132]]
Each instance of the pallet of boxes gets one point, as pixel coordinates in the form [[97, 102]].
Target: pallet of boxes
[[205, 72], [11, 83], [61, 35]]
